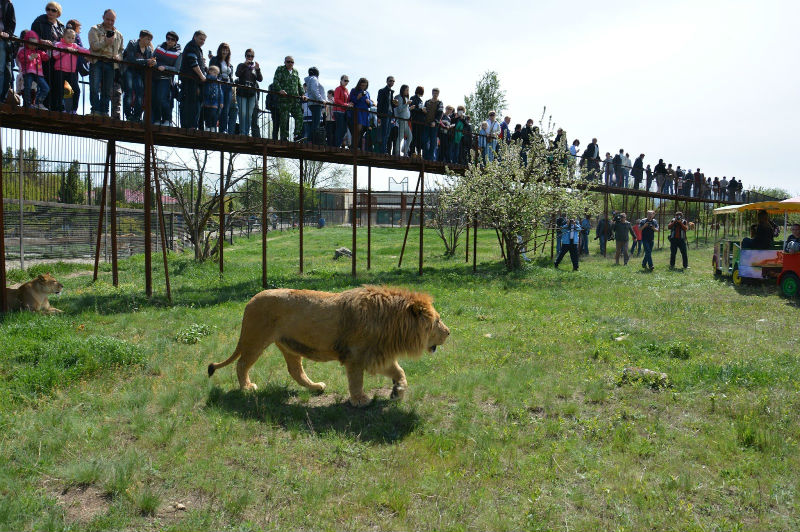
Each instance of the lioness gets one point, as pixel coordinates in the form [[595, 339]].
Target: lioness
[[365, 328], [33, 294]]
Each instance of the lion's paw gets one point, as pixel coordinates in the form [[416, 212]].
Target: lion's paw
[[359, 401], [319, 387], [249, 387], [397, 392]]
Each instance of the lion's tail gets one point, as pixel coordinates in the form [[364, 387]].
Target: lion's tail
[[214, 366]]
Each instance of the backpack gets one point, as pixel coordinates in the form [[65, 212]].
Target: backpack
[[617, 160]]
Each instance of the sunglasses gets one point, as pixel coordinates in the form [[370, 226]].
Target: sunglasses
[[171, 39], [346, 80], [51, 10], [289, 62], [248, 56]]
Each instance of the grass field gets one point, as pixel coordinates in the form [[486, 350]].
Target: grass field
[[520, 422]]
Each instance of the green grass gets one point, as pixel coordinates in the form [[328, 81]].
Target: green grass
[[518, 423]]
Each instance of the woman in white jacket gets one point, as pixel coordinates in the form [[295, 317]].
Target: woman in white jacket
[[316, 96], [403, 115]]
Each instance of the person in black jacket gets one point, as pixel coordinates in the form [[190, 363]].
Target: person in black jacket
[[193, 75], [385, 107], [50, 30], [140, 52], [638, 171], [8, 24], [417, 107]]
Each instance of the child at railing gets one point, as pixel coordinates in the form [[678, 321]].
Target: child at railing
[[212, 97], [482, 137], [29, 60], [66, 64]]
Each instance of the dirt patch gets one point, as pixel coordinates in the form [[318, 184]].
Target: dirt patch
[[83, 503]]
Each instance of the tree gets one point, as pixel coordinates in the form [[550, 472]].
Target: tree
[[447, 217], [517, 199], [317, 174], [71, 190], [487, 97], [198, 198]]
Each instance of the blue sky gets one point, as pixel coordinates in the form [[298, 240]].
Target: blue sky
[[701, 83]]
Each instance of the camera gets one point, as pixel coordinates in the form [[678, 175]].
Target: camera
[[617, 217], [110, 33]]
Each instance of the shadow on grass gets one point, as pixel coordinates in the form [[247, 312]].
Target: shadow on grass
[[120, 301], [381, 422]]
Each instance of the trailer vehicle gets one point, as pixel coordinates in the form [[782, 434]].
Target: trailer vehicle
[[780, 263]]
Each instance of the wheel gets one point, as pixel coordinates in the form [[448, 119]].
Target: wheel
[[790, 284], [737, 279]]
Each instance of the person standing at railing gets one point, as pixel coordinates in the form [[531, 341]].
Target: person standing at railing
[[248, 74], [492, 133], [315, 94], [417, 107], [434, 109], [670, 180], [403, 115], [66, 65], [274, 107], [212, 99], [638, 171], [330, 124], [660, 172], [459, 123], [483, 141], [166, 56], [287, 81], [445, 127], [81, 70], [227, 114], [140, 52], [106, 41], [361, 101], [385, 107], [50, 31], [193, 75], [341, 96], [8, 25], [649, 179], [30, 60], [608, 169]]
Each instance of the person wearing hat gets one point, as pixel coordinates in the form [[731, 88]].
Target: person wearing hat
[[140, 52], [166, 56]]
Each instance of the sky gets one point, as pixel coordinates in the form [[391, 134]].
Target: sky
[[702, 84]]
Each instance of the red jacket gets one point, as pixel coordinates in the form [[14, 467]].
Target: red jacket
[[30, 58], [341, 96]]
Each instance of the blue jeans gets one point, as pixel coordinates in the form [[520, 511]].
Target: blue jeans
[[162, 100], [3, 80], [246, 106], [229, 111], [584, 242], [42, 88], [558, 242], [603, 240], [647, 261], [429, 139], [134, 95], [316, 118], [101, 85], [491, 149], [341, 127], [636, 243]]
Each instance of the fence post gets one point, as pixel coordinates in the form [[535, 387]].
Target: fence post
[[100, 219], [3, 299]]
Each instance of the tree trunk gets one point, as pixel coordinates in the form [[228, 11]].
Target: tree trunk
[[513, 258]]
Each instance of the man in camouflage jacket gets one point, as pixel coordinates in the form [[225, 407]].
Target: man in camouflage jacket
[[287, 83]]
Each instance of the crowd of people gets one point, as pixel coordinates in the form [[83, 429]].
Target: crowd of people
[[572, 236], [215, 95]]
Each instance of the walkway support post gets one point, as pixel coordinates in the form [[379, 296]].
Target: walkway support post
[[264, 222], [100, 218], [221, 231], [421, 215], [162, 227], [369, 217], [148, 201], [408, 224], [302, 213], [112, 162]]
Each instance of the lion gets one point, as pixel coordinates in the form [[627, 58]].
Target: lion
[[365, 329], [33, 294]]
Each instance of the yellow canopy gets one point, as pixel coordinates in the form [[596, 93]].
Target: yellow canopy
[[772, 207]]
